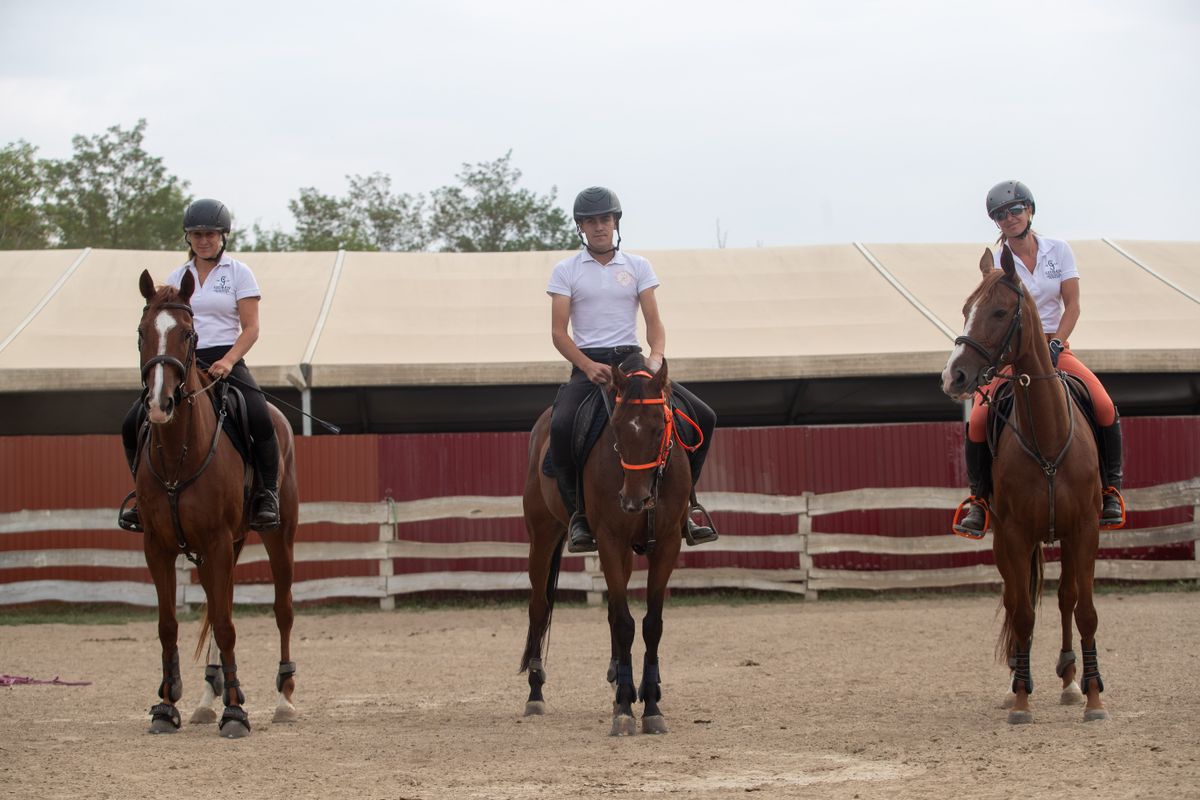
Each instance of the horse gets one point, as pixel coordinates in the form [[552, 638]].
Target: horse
[[190, 487], [1046, 484], [636, 495]]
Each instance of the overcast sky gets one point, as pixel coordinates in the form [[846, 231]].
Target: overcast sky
[[788, 122]]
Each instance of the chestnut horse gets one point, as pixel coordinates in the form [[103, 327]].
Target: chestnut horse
[[1046, 481], [636, 495], [190, 483]]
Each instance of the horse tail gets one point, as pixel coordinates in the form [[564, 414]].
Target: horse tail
[[534, 642], [205, 623], [1006, 646]]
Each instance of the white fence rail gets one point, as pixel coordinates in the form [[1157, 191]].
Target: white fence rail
[[804, 579]]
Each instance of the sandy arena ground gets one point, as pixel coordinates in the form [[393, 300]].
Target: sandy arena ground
[[832, 699]]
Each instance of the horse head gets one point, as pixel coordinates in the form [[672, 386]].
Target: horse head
[[642, 426], [996, 329], [167, 343]]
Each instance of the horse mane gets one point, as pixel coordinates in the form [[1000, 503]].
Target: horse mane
[[986, 286], [636, 389]]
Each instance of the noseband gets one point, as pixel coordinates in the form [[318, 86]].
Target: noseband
[[183, 366], [1005, 350]]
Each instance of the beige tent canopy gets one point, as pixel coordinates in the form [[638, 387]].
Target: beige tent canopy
[[420, 319]]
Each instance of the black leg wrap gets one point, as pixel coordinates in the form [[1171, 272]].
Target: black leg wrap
[[1065, 659], [215, 678], [233, 693], [1091, 671], [1019, 664], [165, 712], [650, 683], [286, 670], [234, 714], [171, 687]]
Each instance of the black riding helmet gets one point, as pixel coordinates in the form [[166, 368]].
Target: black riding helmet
[[208, 215], [1008, 192], [596, 201]]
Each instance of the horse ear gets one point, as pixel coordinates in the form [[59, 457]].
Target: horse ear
[[987, 262], [620, 379], [1006, 262], [146, 284], [660, 377], [186, 287]]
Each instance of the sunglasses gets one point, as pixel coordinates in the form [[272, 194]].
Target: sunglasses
[[1003, 213]]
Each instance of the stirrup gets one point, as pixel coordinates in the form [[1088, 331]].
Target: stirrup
[[128, 518], [961, 512], [699, 534], [1112, 525], [263, 519], [579, 538]]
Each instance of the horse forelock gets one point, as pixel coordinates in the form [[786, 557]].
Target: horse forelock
[[165, 294]]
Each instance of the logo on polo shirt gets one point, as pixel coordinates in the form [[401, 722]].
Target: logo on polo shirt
[[623, 278], [1052, 270], [223, 286]]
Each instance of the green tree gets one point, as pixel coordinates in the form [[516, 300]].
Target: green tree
[[114, 194], [486, 212], [369, 217], [23, 223]]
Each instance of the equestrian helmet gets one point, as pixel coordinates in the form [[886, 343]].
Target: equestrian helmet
[[596, 201], [207, 215], [1009, 192]]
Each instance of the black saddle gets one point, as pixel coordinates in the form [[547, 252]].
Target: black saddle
[[590, 419]]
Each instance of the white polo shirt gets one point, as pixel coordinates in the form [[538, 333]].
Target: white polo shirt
[[604, 297], [1055, 264], [214, 305]]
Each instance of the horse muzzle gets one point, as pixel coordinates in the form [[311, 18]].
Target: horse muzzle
[[632, 504]]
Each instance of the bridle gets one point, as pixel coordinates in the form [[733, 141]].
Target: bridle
[[1004, 351], [659, 464], [184, 366]]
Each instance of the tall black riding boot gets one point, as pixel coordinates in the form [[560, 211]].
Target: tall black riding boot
[[129, 519], [979, 476], [1112, 515], [579, 535], [264, 506]]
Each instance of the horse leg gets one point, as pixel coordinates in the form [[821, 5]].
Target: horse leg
[[546, 536], [650, 692], [621, 627], [216, 573], [1068, 594], [164, 716], [1018, 632], [626, 572], [279, 545], [1087, 620]]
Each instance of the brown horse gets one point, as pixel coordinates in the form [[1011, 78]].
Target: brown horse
[[636, 495], [191, 485], [1046, 484]]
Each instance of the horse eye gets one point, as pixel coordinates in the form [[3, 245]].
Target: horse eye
[[999, 313]]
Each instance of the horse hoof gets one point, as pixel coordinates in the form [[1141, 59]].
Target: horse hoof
[[1095, 715], [1071, 696], [203, 716], [162, 726], [654, 724], [1020, 717], [234, 730], [285, 713], [623, 725], [535, 708]]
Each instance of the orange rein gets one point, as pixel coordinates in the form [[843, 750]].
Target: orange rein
[[670, 432]]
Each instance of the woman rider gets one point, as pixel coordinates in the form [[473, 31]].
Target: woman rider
[[225, 314], [1048, 272]]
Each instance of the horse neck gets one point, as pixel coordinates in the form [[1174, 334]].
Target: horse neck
[[1043, 400]]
